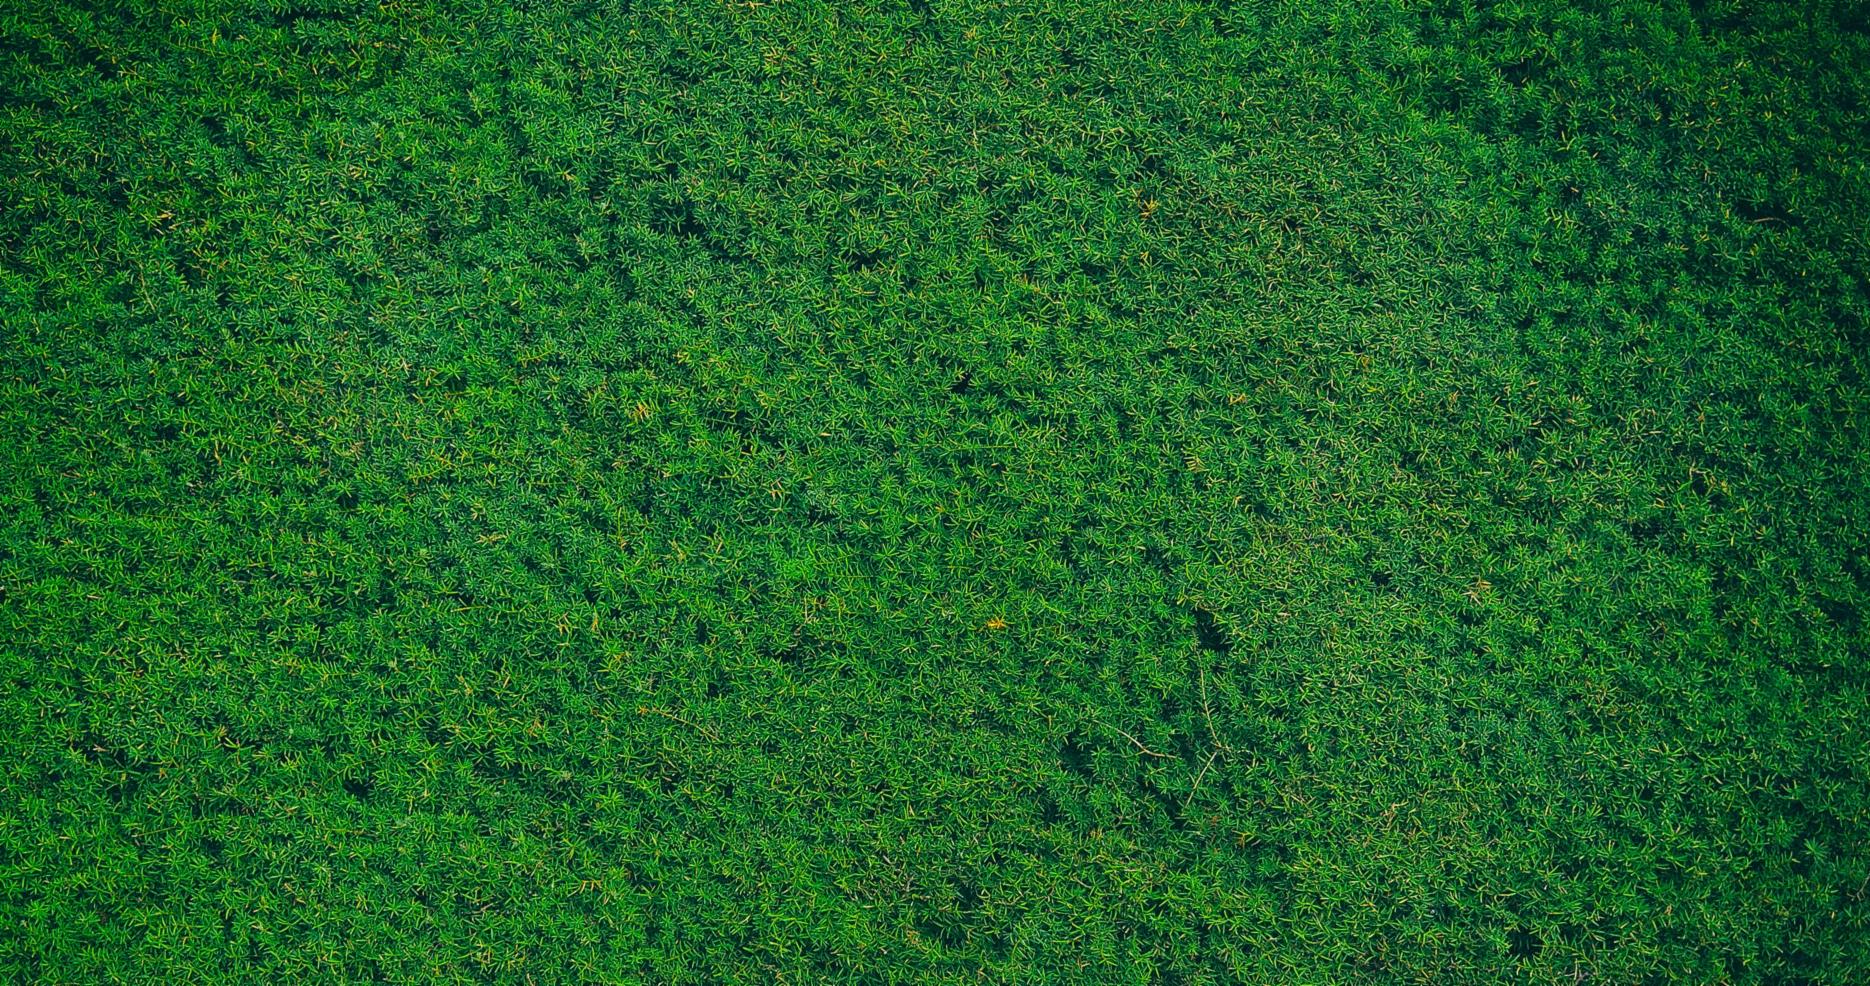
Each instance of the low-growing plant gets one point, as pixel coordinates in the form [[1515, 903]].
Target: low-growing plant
[[942, 491]]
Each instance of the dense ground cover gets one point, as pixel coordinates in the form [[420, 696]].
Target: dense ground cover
[[941, 491]]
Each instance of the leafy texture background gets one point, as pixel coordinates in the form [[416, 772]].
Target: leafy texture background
[[943, 491]]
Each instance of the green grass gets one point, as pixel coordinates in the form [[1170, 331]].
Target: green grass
[[949, 491]]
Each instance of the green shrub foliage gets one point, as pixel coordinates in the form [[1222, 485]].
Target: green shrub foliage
[[938, 491]]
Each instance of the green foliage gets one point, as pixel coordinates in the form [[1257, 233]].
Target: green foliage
[[945, 491]]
